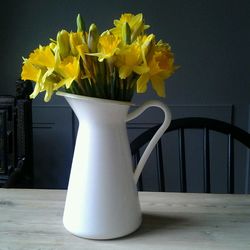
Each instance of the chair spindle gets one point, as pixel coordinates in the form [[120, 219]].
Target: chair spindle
[[230, 165], [160, 168], [182, 160], [206, 161]]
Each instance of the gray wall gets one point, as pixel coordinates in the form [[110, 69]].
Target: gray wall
[[211, 42]]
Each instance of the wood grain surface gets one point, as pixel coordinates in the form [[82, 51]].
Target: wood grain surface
[[32, 219]]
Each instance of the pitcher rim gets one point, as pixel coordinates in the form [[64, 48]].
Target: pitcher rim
[[89, 98]]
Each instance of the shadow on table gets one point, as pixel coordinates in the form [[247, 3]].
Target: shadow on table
[[154, 224]]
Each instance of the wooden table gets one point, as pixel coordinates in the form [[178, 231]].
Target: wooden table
[[32, 219]]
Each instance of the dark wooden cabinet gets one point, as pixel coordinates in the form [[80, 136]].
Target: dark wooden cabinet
[[16, 144]]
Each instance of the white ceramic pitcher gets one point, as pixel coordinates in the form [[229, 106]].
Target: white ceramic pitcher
[[102, 200]]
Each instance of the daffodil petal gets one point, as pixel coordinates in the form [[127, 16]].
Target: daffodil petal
[[30, 72], [36, 91], [141, 69], [68, 82], [158, 85], [47, 74], [42, 56], [124, 72], [49, 92], [141, 83]]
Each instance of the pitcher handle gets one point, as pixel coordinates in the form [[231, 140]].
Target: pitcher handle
[[157, 135]]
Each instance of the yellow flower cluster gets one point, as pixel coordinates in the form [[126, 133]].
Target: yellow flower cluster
[[112, 65]]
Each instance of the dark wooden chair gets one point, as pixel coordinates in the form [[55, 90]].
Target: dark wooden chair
[[205, 124]]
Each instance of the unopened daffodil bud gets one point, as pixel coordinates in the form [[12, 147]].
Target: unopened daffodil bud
[[80, 24], [139, 29], [93, 38], [75, 40], [63, 43], [126, 33], [147, 44]]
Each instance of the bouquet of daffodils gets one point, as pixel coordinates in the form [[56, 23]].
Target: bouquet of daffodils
[[111, 65]]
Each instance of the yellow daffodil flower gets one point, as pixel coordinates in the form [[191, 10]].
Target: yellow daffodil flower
[[135, 22], [125, 58], [161, 66], [75, 40], [38, 67], [43, 57], [48, 73], [69, 71], [107, 46], [30, 72], [146, 43], [129, 59]]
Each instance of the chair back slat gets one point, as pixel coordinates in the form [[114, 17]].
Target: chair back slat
[[136, 159], [230, 165], [207, 124], [182, 160], [160, 168], [206, 161]]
